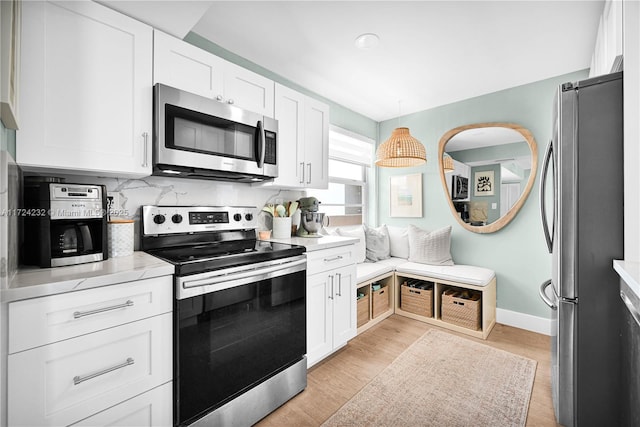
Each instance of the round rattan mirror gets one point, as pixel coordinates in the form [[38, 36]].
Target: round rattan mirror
[[491, 175]]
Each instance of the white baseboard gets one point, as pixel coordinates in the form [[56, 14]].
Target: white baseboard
[[524, 321]]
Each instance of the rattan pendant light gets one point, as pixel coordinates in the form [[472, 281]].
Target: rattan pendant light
[[401, 150], [447, 163]]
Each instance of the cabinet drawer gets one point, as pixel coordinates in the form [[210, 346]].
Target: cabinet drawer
[[68, 381], [150, 409], [328, 259], [45, 320]]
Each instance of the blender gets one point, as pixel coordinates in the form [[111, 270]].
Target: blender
[[310, 219]]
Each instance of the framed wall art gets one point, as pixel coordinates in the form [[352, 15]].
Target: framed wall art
[[405, 194], [483, 183]]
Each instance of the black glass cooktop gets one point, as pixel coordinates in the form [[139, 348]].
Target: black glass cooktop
[[199, 258]]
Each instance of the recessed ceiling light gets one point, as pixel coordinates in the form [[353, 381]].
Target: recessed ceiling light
[[367, 41]]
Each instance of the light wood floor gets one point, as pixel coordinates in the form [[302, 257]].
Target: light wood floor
[[332, 382]]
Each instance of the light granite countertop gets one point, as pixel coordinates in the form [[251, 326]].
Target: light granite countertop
[[32, 282], [629, 271], [317, 243]]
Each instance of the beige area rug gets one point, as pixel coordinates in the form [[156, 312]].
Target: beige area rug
[[444, 380]]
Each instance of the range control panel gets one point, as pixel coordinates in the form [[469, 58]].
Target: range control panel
[[158, 220]]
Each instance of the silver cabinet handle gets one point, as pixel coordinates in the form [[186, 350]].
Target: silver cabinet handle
[[309, 176], [301, 172], [229, 101], [339, 257], [339, 284], [145, 151], [79, 314], [219, 98], [80, 379], [331, 293], [545, 297]]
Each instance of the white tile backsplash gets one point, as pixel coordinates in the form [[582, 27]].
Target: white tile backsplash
[[153, 190], [9, 199]]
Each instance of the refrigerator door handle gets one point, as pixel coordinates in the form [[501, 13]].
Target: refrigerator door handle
[[545, 297], [548, 234]]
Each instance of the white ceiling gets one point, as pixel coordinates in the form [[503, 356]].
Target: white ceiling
[[431, 53]]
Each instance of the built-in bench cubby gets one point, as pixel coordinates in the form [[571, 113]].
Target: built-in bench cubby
[[462, 307], [375, 300]]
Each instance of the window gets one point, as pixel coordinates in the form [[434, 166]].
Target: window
[[350, 157]]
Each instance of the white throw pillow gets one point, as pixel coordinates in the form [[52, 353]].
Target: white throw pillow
[[432, 248], [361, 246], [398, 241], [377, 242]]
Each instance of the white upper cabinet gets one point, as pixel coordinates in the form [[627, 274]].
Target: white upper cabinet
[[187, 67], [303, 140], [609, 42], [85, 93]]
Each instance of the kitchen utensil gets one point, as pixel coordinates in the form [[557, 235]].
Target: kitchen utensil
[[281, 211]]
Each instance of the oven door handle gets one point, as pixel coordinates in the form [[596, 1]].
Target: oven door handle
[[216, 281]]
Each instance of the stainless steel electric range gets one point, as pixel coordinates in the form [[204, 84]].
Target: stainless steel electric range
[[239, 314]]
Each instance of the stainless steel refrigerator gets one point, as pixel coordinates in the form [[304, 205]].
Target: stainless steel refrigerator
[[581, 199]]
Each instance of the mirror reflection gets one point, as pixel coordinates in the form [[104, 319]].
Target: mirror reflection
[[487, 170]]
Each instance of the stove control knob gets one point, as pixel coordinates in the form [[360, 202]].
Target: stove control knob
[[159, 219], [248, 216], [176, 218], [237, 217]]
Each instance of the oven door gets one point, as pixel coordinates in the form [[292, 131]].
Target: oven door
[[200, 134], [234, 330]]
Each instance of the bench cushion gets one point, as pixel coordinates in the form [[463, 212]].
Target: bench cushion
[[369, 270], [469, 274]]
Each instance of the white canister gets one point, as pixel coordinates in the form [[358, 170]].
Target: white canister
[[120, 241], [281, 227]]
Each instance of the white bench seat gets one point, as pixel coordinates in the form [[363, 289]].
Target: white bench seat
[[369, 270], [469, 274]]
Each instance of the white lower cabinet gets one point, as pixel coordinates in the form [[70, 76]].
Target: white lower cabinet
[[331, 310], [99, 356], [150, 409]]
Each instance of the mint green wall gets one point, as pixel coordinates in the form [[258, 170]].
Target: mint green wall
[[518, 252], [8, 140], [338, 115]]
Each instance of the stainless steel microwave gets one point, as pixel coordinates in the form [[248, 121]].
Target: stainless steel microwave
[[198, 137]]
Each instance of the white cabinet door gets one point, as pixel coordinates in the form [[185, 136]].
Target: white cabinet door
[[68, 381], [303, 140], [316, 129], [289, 111], [248, 90], [85, 90], [344, 305], [151, 409], [187, 67], [319, 318]]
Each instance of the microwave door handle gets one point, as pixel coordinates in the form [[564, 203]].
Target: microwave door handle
[[261, 144], [548, 235]]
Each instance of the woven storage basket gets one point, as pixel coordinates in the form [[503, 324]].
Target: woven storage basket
[[462, 308], [363, 310], [380, 301], [416, 300]]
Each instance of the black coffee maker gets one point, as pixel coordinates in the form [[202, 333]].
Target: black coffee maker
[[63, 223]]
